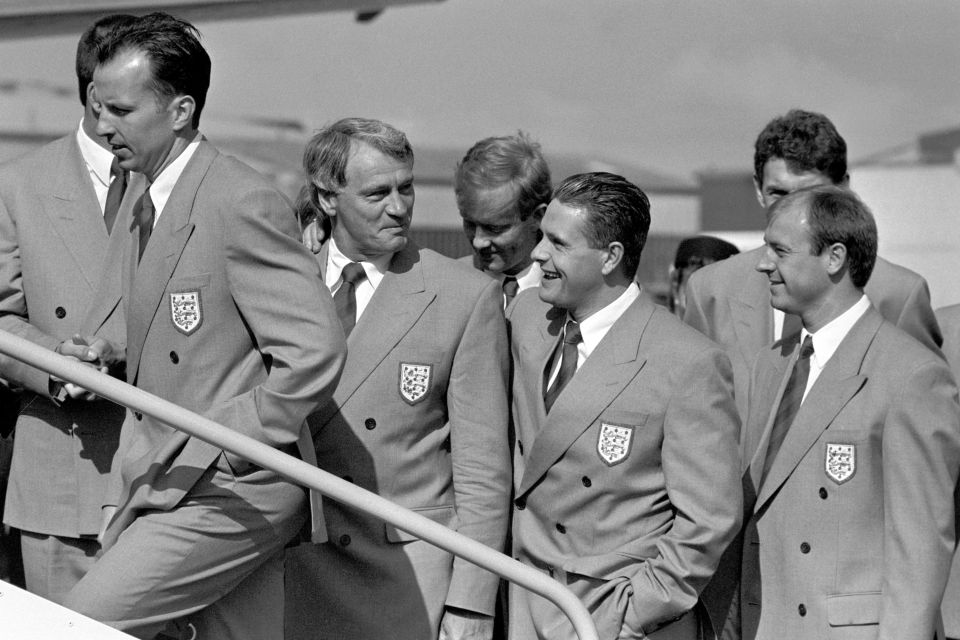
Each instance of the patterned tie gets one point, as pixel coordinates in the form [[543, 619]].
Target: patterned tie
[[568, 362], [118, 184], [145, 218], [510, 288], [345, 299], [789, 404]]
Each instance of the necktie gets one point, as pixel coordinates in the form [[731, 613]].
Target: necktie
[[510, 288], [118, 185], [568, 362], [789, 404], [145, 219], [345, 299]]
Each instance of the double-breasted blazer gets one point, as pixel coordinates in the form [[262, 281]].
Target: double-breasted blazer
[[729, 302], [949, 319], [855, 518], [419, 417], [59, 276], [629, 489]]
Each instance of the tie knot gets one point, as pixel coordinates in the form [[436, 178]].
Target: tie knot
[[510, 286], [806, 349], [353, 273], [571, 333]]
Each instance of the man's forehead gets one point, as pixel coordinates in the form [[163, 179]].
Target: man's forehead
[[494, 204]]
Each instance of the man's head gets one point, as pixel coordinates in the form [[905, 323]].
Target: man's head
[[821, 248], [503, 188], [798, 150], [360, 176], [151, 84], [87, 47], [593, 233], [692, 254]]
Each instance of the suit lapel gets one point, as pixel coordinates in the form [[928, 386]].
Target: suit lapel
[[166, 245], [602, 377], [839, 381]]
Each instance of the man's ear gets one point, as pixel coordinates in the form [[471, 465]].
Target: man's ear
[[836, 258], [327, 201], [613, 257], [183, 109]]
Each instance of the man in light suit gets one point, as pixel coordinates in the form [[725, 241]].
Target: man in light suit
[[503, 187], [627, 431], [853, 443], [730, 302], [949, 319], [226, 316], [57, 206], [419, 416]]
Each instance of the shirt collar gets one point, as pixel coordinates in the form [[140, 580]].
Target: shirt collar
[[97, 158], [529, 277], [828, 338], [336, 261], [594, 328], [163, 186]]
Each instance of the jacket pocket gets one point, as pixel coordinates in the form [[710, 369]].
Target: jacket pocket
[[846, 609], [447, 516]]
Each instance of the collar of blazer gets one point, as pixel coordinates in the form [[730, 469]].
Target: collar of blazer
[[145, 283], [396, 306], [609, 369], [839, 381]]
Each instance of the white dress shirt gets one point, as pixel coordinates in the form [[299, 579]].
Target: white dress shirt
[[374, 270], [98, 161], [828, 338]]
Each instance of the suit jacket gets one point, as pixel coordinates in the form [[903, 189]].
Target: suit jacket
[[226, 316], [949, 319], [59, 276], [729, 302], [629, 489], [855, 519], [420, 417]]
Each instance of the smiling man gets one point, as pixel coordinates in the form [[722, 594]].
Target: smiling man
[[628, 485], [419, 417]]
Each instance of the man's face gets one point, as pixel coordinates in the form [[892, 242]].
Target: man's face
[[799, 280], [140, 130], [501, 241], [371, 214], [779, 180], [572, 270]]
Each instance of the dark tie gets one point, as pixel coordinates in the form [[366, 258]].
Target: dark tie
[[118, 184], [345, 299], [568, 362], [789, 404], [510, 288], [145, 218]]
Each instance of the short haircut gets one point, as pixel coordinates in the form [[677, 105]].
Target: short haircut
[[616, 211], [807, 141], [327, 153], [89, 43], [179, 64], [506, 160], [835, 214]]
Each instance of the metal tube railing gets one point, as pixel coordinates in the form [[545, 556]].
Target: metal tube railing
[[303, 474]]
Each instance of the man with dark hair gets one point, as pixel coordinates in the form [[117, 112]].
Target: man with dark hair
[[852, 446], [420, 414], [628, 485], [57, 208], [503, 187], [730, 302], [227, 317], [693, 254]]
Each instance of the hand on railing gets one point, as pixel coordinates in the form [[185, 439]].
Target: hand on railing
[[96, 352]]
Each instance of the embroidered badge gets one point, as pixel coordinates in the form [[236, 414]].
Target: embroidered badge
[[614, 442], [414, 381], [841, 462], [186, 311]]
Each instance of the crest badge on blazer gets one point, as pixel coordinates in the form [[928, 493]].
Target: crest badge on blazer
[[414, 381], [614, 442], [841, 462], [186, 312]]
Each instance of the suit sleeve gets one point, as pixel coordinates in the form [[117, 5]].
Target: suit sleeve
[[13, 310], [700, 459], [921, 457], [478, 412], [277, 288], [918, 319]]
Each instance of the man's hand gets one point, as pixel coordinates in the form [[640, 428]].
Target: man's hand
[[460, 624], [107, 513], [313, 236], [95, 352]]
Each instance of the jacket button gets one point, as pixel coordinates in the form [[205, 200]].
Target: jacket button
[[138, 415], [561, 528], [823, 493], [804, 547], [586, 481], [345, 541], [174, 358], [370, 424], [60, 312], [520, 503], [802, 610]]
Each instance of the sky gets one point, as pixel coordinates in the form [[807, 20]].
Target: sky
[[674, 86]]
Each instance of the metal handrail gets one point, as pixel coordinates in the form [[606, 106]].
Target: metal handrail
[[303, 474]]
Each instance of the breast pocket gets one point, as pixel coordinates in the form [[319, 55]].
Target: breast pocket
[[618, 433], [185, 300]]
